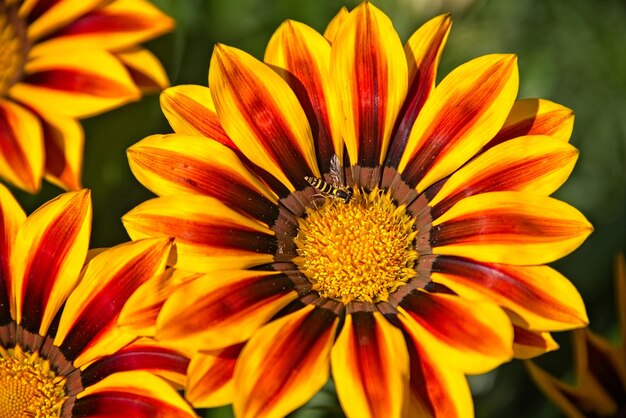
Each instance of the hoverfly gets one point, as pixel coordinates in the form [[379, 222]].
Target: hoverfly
[[337, 188]]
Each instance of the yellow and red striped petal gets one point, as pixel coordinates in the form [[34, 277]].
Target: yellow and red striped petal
[[172, 164], [21, 147], [77, 83], [190, 110], [536, 297], [333, 26], [509, 227], [537, 164], [45, 17], [536, 117], [209, 235], [423, 51], [462, 114], [141, 310], [114, 27], [284, 364], [11, 218], [529, 344], [143, 354], [302, 57], [435, 389], [51, 249], [262, 116], [221, 310], [137, 394], [211, 375], [370, 76], [64, 141], [473, 336], [88, 326], [145, 69], [370, 365]]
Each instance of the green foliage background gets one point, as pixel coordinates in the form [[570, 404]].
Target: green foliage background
[[570, 51]]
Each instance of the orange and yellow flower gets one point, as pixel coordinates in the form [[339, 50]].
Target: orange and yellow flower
[[600, 389], [418, 258], [61, 352], [62, 60]]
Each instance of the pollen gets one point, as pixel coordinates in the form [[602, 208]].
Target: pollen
[[29, 387], [361, 250], [12, 45]]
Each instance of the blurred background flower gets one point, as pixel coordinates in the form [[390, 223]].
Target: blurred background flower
[[570, 51], [61, 61]]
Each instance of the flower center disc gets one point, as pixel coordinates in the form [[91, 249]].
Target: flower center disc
[[28, 387], [12, 45], [361, 250]]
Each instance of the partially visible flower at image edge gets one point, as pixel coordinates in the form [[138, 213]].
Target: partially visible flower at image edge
[[61, 352], [600, 388], [418, 257], [61, 61]]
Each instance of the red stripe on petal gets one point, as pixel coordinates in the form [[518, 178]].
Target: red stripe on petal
[[494, 228], [420, 85], [200, 117], [231, 301], [54, 247], [509, 282], [41, 7], [110, 404], [71, 80], [207, 180], [204, 383], [104, 307], [149, 358], [463, 111], [224, 235], [529, 338], [268, 125], [300, 343], [11, 150], [5, 309], [440, 319], [301, 70], [541, 124], [512, 177], [103, 22]]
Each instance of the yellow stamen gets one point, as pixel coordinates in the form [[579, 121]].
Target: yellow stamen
[[28, 387], [362, 250]]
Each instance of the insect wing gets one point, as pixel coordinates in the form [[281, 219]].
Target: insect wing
[[336, 172]]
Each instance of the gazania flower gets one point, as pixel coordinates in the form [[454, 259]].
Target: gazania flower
[[65, 60], [413, 257], [600, 389], [61, 352]]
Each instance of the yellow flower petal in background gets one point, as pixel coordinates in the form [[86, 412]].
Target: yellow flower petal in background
[[80, 84], [118, 25], [62, 61], [144, 68], [21, 142]]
